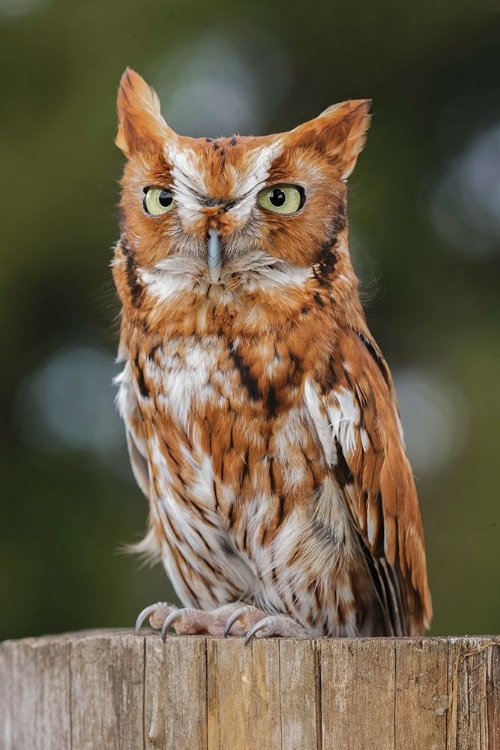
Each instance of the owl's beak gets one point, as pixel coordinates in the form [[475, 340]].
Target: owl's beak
[[214, 254]]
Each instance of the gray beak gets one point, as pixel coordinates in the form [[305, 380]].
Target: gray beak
[[214, 254]]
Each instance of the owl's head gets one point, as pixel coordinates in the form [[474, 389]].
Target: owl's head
[[222, 206]]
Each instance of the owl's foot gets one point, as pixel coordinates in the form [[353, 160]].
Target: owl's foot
[[257, 624], [235, 618], [187, 621]]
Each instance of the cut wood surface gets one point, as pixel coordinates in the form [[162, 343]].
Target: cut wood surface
[[113, 690]]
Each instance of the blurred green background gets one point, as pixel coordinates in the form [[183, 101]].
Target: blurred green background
[[425, 233]]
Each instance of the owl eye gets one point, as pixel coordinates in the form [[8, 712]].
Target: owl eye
[[282, 199], [158, 200]]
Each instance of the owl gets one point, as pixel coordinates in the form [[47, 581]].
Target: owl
[[261, 417]]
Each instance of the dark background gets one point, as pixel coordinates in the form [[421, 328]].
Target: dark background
[[425, 234]]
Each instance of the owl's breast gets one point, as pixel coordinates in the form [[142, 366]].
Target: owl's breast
[[235, 403], [231, 452]]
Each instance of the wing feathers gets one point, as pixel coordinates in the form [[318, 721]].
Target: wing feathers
[[358, 418], [136, 439]]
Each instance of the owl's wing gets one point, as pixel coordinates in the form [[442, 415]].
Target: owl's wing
[[357, 422], [136, 439]]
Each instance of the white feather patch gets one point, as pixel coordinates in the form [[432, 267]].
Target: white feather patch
[[188, 180], [336, 416], [343, 412], [185, 378], [320, 421], [126, 402], [251, 176], [163, 285]]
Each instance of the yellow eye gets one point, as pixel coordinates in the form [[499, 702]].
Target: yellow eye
[[282, 199], [158, 200]]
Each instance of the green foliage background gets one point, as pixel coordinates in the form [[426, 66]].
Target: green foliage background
[[432, 69]]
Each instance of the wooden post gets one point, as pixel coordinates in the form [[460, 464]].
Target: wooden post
[[118, 691]]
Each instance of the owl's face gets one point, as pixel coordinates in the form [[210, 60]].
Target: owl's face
[[218, 207]]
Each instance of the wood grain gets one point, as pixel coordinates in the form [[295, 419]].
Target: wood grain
[[93, 690], [175, 700]]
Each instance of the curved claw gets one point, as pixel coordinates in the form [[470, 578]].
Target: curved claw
[[173, 616], [146, 612], [236, 616], [261, 625]]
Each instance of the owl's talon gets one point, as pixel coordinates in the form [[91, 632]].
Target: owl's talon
[[268, 624], [157, 614], [246, 610], [173, 617], [146, 612], [277, 626]]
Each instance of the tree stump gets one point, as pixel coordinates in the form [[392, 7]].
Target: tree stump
[[113, 690]]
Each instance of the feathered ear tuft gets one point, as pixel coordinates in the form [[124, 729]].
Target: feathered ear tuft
[[339, 132], [141, 125]]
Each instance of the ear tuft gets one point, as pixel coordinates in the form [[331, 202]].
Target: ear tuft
[[339, 132], [141, 125]]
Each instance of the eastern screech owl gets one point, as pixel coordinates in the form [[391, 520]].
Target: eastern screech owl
[[261, 417]]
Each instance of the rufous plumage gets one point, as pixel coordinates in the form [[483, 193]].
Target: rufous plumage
[[261, 416]]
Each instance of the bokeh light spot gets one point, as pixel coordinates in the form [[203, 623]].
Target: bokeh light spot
[[465, 206], [213, 88], [67, 403], [10, 9], [435, 418]]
